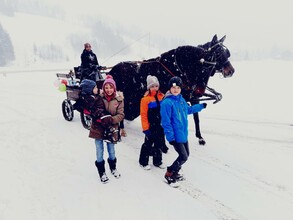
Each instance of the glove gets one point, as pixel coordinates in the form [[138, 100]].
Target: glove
[[106, 120], [204, 105], [147, 132], [172, 142], [101, 67]]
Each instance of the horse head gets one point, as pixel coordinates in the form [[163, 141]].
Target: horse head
[[218, 54], [199, 63]]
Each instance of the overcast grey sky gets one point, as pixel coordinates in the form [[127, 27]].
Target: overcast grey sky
[[246, 23]]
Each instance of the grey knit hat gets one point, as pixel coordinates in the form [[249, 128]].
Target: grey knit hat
[[152, 81]]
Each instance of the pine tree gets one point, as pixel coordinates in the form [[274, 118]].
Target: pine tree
[[6, 48]]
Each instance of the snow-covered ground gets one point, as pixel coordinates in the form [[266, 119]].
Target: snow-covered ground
[[244, 171]]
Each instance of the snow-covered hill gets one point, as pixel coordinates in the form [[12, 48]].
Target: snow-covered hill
[[244, 172], [39, 40]]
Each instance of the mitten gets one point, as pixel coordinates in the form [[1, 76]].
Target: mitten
[[102, 68], [147, 132], [204, 105]]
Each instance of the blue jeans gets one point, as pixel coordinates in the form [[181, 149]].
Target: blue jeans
[[100, 150]]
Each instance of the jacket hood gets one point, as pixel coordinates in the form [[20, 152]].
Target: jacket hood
[[87, 86], [170, 95]]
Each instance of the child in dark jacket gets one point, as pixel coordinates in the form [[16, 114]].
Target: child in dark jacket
[[151, 125], [91, 101], [174, 112]]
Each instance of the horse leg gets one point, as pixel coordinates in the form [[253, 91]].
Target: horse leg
[[201, 141]]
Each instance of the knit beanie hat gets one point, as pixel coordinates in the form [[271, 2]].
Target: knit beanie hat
[[87, 86], [152, 81], [109, 79], [175, 81]]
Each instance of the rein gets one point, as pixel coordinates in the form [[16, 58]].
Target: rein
[[172, 74], [157, 61]]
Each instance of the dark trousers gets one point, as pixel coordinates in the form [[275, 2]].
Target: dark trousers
[[183, 152], [152, 146]]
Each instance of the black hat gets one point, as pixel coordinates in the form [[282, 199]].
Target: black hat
[[175, 81]]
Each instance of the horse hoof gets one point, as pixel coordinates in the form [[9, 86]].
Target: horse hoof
[[201, 141]]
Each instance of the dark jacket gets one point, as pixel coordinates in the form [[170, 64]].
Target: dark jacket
[[95, 105], [88, 59]]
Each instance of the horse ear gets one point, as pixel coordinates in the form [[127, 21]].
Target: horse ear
[[222, 39], [215, 38]]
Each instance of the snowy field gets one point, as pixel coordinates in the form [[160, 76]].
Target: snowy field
[[243, 172]]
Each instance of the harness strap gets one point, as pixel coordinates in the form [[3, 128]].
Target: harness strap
[[169, 71], [166, 68]]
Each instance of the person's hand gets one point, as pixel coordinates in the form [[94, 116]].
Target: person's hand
[[172, 142], [147, 132], [204, 105], [101, 67]]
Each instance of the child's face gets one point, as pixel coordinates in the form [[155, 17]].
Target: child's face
[[175, 90], [95, 90], [154, 88], [109, 89]]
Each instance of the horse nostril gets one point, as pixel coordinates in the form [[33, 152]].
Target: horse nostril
[[231, 72]]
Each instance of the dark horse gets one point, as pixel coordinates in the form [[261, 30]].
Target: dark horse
[[195, 65]]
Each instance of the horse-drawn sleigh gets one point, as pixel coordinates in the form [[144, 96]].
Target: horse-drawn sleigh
[[195, 65]]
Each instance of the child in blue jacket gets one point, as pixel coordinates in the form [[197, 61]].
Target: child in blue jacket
[[174, 112]]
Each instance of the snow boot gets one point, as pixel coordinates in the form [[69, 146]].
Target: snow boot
[[114, 171], [171, 180], [161, 166], [178, 176], [146, 167], [101, 170], [104, 178]]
